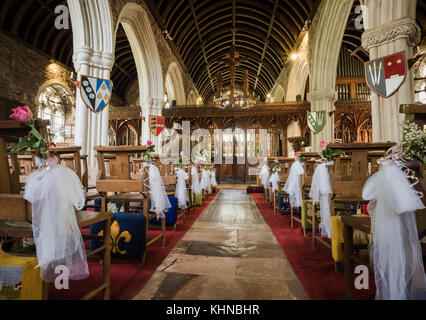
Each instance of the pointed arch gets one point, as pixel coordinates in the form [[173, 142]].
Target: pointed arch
[[174, 84]]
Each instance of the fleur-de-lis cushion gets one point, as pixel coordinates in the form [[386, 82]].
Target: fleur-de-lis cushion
[[127, 234]]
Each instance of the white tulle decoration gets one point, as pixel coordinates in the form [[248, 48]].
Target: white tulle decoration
[[213, 178], [274, 180], [292, 185], [54, 192], [181, 193], [205, 180], [264, 176], [320, 191], [159, 199], [395, 248], [196, 189]]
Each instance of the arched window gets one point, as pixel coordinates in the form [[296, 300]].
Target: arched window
[[53, 103]]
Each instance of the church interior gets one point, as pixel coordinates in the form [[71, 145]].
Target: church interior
[[212, 149]]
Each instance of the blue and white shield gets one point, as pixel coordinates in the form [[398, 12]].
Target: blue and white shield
[[95, 92]]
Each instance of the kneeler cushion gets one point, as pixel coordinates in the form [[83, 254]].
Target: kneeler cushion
[[306, 205], [284, 203], [127, 232], [198, 199], [171, 214], [19, 278], [337, 238]]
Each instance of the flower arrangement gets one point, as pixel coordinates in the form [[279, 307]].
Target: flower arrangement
[[33, 140], [275, 166], [298, 156], [413, 142], [326, 153], [202, 158], [149, 152]]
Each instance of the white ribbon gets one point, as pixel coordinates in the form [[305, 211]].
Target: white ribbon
[[54, 191], [159, 199], [292, 185], [320, 191], [264, 176], [181, 192], [196, 189], [395, 248], [275, 178]]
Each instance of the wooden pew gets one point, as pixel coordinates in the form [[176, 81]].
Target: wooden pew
[[14, 208], [122, 187], [348, 176], [285, 165]]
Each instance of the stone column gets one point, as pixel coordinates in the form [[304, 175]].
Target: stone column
[[91, 128], [323, 100], [146, 106], [390, 28]]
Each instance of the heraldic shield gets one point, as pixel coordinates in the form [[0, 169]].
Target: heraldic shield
[[385, 75], [316, 121], [95, 92], [156, 124]]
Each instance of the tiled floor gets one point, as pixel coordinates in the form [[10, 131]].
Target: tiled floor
[[229, 253]]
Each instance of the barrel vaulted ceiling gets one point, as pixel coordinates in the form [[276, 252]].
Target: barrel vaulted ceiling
[[264, 32]]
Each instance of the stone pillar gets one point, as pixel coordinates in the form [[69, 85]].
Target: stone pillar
[[323, 100], [390, 28], [146, 106], [91, 128]]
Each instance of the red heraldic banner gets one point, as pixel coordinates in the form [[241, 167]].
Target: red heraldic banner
[[385, 75]]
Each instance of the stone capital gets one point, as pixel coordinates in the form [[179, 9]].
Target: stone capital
[[322, 94], [403, 28], [88, 56]]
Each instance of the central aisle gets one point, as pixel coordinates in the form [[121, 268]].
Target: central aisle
[[229, 253]]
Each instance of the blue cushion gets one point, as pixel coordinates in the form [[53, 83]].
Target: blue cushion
[[171, 214], [284, 203], [127, 232]]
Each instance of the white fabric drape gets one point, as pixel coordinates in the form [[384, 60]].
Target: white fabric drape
[[264, 176], [205, 180], [213, 178], [274, 180], [159, 199], [292, 185], [196, 188], [54, 191], [181, 193], [320, 191], [395, 247]]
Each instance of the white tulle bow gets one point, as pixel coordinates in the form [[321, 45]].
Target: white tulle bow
[[264, 176], [54, 191], [196, 189], [320, 191], [205, 180], [274, 180], [213, 178], [395, 248], [292, 185], [159, 199], [181, 193]]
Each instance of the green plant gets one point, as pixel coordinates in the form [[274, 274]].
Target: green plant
[[413, 142]]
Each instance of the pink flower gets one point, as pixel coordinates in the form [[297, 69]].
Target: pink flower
[[276, 160], [268, 152], [197, 161], [149, 143], [297, 154], [182, 153], [21, 114], [323, 144]]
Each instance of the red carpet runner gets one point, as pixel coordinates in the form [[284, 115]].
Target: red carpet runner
[[315, 270], [127, 278]]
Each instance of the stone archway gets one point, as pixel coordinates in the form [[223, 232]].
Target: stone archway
[[174, 85], [299, 72], [94, 56], [137, 27], [324, 49]]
